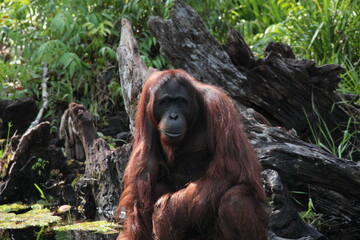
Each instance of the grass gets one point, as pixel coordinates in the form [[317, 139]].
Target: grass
[[41, 192], [350, 83], [344, 147]]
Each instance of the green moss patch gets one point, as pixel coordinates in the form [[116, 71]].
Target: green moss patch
[[97, 226], [14, 207], [37, 216]]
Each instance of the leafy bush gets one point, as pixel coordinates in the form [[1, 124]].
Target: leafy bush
[[77, 39]]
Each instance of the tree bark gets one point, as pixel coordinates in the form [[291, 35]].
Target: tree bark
[[130, 67]]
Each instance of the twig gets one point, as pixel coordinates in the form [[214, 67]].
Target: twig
[[44, 95]]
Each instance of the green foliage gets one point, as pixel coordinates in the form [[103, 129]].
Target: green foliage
[[15, 81], [78, 41], [39, 166], [310, 216], [325, 30], [252, 18], [42, 195], [350, 83], [323, 136]]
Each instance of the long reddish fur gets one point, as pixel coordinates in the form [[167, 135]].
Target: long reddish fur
[[233, 170]]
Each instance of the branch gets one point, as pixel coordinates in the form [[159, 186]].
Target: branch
[[44, 95]]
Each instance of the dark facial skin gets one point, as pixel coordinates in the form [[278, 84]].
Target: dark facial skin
[[173, 110]]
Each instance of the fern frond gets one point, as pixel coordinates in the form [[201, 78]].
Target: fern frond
[[61, 22], [50, 51], [70, 63], [108, 52]]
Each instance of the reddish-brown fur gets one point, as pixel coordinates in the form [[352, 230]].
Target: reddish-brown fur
[[226, 202]]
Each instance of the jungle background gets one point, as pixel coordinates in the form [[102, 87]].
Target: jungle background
[[78, 41]]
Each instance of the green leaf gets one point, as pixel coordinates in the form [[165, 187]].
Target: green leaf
[[50, 51], [110, 24], [61, 23], [42, 195], [71, 63]]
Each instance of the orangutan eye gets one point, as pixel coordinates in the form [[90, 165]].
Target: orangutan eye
[[165, 101], [181, 100]]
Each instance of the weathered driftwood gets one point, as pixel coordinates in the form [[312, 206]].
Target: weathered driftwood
[[284, 219], [72, 143], [44, 95]]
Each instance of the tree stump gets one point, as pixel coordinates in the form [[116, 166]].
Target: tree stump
[[99, 188], [17, 181]]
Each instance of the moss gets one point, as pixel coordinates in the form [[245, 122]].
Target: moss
[[97, 226], [14, 207], [78, 177], [38, 216]]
